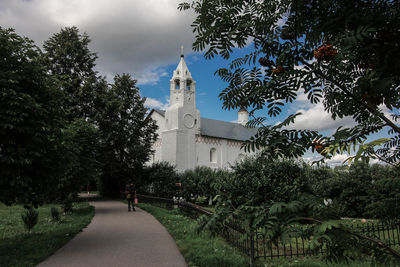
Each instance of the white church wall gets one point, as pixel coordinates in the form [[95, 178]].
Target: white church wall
[[157, 146], [227, 152], [160, 121], [204, 144]]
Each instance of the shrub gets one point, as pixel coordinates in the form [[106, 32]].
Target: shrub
[[361, 190], [199, 183], [30, 218], [67, 203], [160, 179], [257, 181], [385, 193], [55, 214]]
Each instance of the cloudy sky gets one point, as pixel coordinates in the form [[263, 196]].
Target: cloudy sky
[[143, 38]]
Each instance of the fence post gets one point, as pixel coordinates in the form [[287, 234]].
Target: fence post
[[252, 247]]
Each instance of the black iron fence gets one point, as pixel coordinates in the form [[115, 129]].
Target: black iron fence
[[388, 233], [233, 232], [258, 246], [157, 201]]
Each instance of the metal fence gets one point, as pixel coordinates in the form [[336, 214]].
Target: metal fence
[[388, 233], [258, 246], [233, 232]]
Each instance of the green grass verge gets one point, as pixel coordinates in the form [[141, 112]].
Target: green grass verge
[[205, 250], [197, 249], [308, 262], [20, 248]]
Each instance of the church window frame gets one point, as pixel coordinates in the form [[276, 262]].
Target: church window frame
[[177, 84], [213, 155], [188, 84]]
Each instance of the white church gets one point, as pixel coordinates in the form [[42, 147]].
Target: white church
[[186, 140]]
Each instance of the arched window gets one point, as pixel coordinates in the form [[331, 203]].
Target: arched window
[[213, 155], [177, 84], [188, 84]]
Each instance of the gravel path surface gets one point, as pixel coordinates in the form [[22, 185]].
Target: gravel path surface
[[116, 237]]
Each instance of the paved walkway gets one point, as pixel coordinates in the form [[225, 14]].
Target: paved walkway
[[116, 237]]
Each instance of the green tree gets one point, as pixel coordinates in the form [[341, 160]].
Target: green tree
[[126, 134], [198, 182], [80, 144], [69, 59], [343, 53], [160, 180], [30, 123]]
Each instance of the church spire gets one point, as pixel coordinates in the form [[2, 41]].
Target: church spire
[[182, 85], [182, 71]]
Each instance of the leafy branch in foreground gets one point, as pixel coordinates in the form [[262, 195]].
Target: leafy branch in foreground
[[341, 54]]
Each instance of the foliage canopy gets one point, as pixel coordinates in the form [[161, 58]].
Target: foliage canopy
[[341, 53], [30, 122]]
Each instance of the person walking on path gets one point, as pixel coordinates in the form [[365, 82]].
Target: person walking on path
[[130, 196]]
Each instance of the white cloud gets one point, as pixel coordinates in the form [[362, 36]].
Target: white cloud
[[130, 36], [154, 103], [336, 160], [316, 118], [151, 76]]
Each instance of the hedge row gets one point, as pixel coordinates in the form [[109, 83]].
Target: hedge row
[[361, 190]]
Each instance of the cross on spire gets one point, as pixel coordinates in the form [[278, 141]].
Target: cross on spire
[[182, 51]]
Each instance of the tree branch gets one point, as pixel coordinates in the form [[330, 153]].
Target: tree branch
[[384, 160], [371, 109], [379, 243]]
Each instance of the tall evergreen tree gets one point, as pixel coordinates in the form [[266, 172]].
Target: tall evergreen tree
[[127, 135], [68, 57], [69, 60]]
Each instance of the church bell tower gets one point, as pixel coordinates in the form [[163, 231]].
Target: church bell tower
[[182, 119]]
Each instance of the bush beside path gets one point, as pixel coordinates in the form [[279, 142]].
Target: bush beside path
[[20, 248]]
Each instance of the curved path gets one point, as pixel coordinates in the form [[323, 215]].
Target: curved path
[[116, 237]]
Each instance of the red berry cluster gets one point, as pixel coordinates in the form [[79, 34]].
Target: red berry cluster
[[265, 62], [278, 70], [325, 52], [319, 147]]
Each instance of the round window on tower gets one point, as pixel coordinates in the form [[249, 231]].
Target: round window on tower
[[188, 120]]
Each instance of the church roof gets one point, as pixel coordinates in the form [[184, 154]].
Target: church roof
[[222, 129]]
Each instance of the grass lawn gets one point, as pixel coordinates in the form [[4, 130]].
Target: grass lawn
[[198, 249], [20, 248], [206, 250]]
